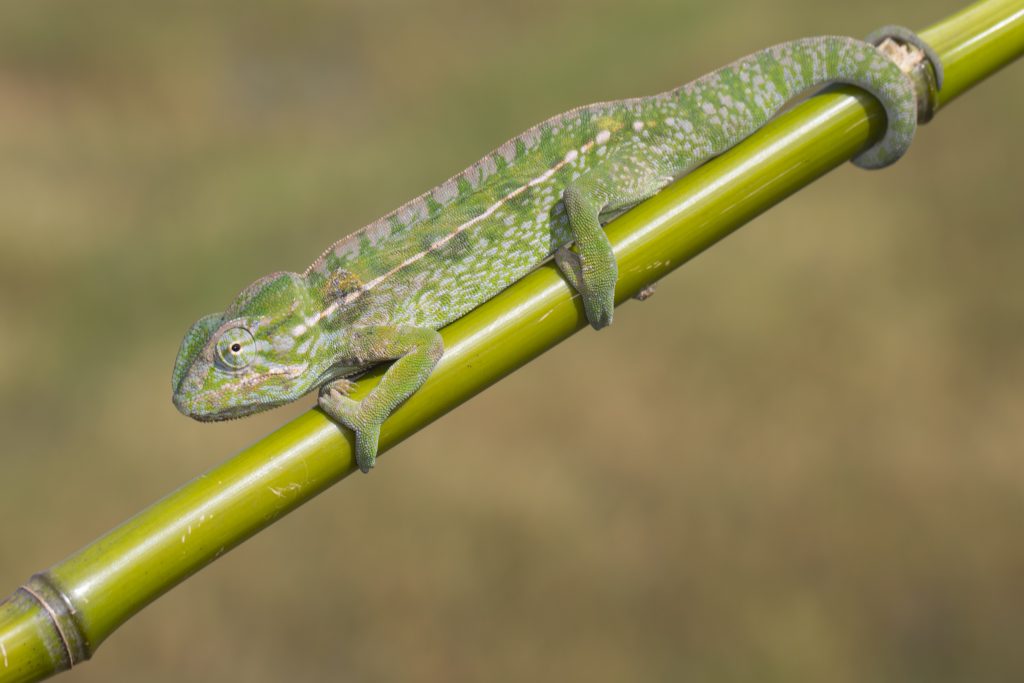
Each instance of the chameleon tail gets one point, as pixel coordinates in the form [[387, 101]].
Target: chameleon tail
[[741, 97]]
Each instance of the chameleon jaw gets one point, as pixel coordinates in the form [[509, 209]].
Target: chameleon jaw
[[218, 404]]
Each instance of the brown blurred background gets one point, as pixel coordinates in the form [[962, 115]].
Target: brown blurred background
[[801, 460]]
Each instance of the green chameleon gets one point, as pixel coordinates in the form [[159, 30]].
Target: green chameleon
[[382, 293]]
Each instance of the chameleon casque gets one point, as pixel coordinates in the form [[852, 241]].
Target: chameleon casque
[[382, 293]]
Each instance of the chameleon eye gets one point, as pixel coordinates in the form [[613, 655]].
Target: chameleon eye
[[236, 348]]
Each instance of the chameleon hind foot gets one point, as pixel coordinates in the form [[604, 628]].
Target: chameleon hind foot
[[591, 269], [600, 304]]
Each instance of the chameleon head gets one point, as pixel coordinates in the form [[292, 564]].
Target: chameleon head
[[251, 357]]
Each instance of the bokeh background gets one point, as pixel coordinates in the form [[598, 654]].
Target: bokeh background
[[801, 460]]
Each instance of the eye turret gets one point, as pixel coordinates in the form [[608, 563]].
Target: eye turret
[[236, 348]]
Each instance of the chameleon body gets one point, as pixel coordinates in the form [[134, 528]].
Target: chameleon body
[[382, 293]]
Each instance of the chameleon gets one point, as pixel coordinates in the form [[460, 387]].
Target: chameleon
[[383, 292]]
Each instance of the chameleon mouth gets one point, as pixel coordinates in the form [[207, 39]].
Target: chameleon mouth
[[240, 399], [205, 411], [226, 414]]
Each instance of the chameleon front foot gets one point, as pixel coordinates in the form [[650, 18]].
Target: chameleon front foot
[[348, 412]]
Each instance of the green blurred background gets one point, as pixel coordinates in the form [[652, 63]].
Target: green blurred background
[[801, 460]]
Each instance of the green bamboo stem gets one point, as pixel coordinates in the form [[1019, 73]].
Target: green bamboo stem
[[60, 616]]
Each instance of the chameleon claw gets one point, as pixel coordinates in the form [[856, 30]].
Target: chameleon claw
[[340, 407], [600, 313], [366, 447], [599, 298], [344, 387]]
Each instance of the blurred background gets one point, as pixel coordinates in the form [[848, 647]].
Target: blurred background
[[800, 460]]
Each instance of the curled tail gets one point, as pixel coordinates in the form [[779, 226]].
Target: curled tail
[[741, 97]]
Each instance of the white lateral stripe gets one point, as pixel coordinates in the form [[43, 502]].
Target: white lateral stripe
[[305, 326], [602, 137], [546, 175]]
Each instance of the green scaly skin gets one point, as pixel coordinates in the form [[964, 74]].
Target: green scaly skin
[[382, 293]]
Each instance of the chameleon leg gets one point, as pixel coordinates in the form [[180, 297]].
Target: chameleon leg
[[591, 270], [415, 351]]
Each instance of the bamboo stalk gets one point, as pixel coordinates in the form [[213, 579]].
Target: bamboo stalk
[[61, 616]]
